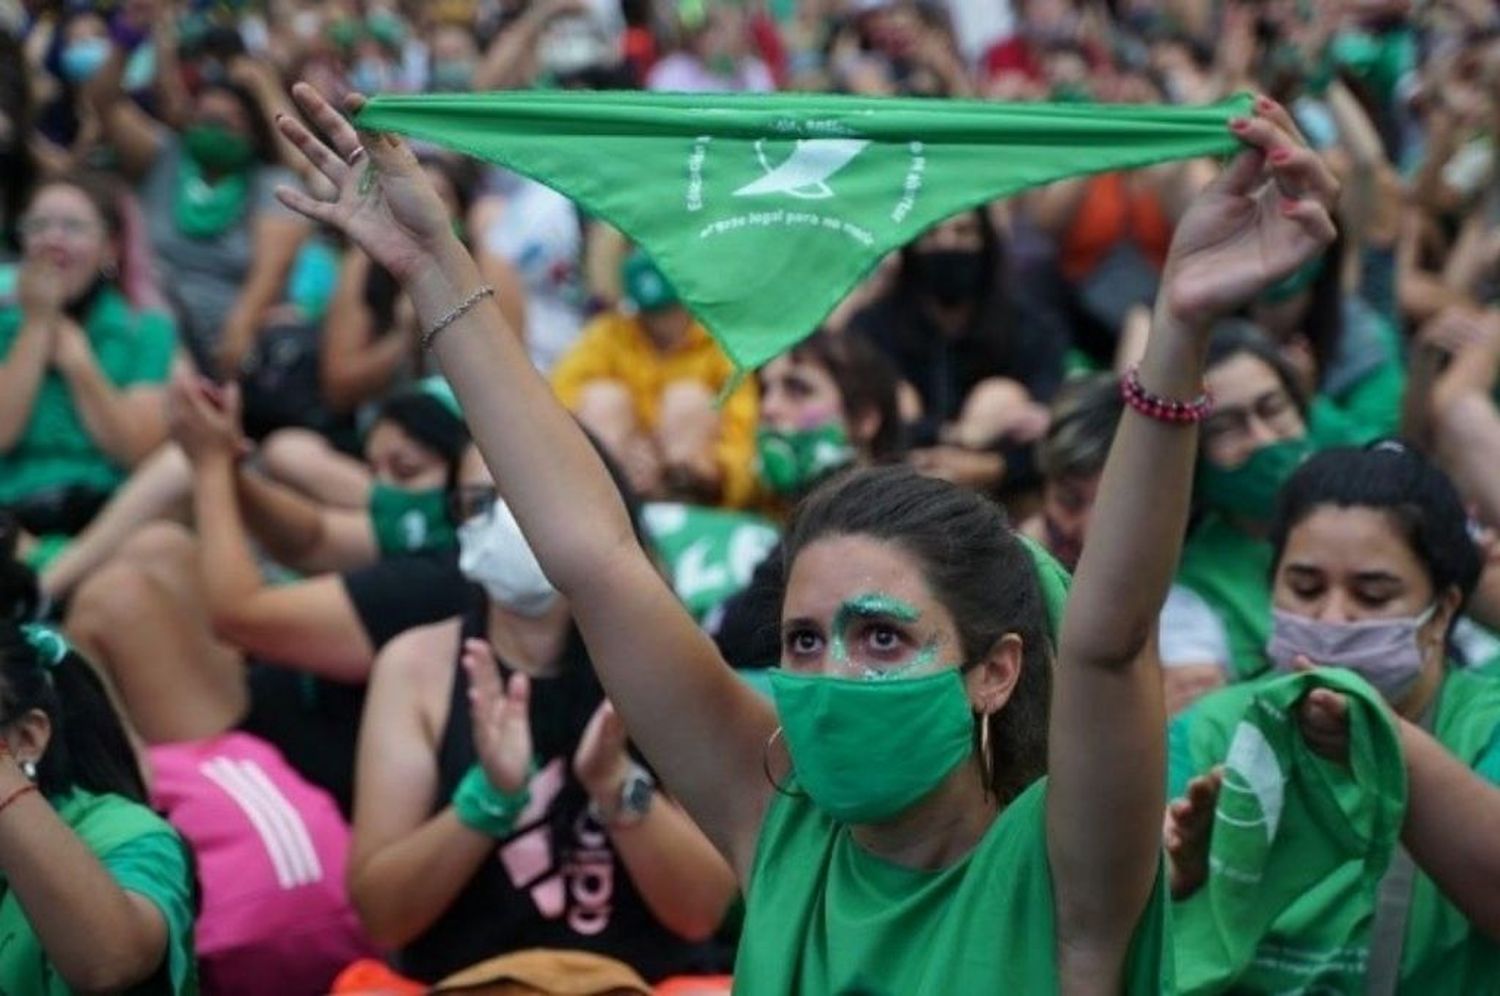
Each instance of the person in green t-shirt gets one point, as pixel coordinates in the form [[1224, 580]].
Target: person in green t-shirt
[[96, 890], [1218, 615], [81, 369], [1372, 564], [928, 836]]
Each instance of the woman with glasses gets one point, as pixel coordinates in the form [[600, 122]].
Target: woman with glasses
[[1218, 615], [81, 369], [597, 860]]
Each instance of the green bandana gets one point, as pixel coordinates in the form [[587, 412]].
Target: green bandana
[[764, 211], [793, 461], [1249, 490], [865, 750], [410, 521], [1288, 824], [202, 209]]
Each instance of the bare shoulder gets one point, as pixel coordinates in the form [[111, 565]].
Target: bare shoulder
[[417, 668]]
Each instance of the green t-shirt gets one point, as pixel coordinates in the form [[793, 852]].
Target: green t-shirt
[[1442, 952], [55, 450], [823, 916], [1231, 571], [709, 554], [145, 857]]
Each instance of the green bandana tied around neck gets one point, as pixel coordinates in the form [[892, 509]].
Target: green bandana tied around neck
[[202, 209], [764, 211]]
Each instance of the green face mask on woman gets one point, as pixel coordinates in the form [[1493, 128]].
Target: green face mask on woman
[[1249, 490], [864, 750], [791, 461], [217, 148]]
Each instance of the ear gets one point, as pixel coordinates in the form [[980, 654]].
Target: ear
[[864, 426], [29, 736], [1444, 609], [991, 681]]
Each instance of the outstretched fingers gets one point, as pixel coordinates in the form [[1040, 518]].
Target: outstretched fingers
[[313, 149], [334, 126]]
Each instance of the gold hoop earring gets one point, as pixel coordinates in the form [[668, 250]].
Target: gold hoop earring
[[765, 766]]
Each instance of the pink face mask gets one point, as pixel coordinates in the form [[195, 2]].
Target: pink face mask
[[1384, 652]]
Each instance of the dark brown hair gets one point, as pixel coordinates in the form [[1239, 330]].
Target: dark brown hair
[[977, 568]]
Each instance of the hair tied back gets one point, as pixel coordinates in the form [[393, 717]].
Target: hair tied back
[[50, 645]]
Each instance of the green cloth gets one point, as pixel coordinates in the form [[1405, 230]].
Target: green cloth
[[1442, 953], [1231, 571], [823, 916], [709, 554], [407, 521], [145, 857], [764, 210], [1299, 843], [205, 210], [1330, 425], [55, 450], [1054, 580]]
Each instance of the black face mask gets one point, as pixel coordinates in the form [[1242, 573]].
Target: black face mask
[[950, 276]]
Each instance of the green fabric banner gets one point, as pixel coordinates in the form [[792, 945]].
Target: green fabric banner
[[765, 210]]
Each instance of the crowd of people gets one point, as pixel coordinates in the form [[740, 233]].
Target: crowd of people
[[401, 587]]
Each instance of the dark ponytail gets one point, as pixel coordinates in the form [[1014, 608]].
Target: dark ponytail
[[39, 670]]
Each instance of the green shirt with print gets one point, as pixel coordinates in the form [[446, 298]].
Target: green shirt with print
[[55, 450]]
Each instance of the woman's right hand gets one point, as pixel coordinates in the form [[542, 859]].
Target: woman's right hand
[[500, 716], [40, 290], [384, 202], [1187, 832]]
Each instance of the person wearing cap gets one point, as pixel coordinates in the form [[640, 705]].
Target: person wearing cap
[[646, 382]]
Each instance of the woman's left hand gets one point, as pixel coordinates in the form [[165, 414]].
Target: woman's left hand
[[601, 762], [205, 419], [1267, 214], [1323, 718], [70, 347]]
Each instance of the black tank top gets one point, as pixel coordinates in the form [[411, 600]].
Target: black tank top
[[557, 881]]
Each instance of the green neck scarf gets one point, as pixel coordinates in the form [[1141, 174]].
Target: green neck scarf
[[764, 211], [204, 210]]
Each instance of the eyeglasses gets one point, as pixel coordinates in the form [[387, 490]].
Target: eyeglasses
[[1274, 408], [471, 501], [73, 228]]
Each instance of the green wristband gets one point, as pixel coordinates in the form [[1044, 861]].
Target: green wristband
[[482, 807]]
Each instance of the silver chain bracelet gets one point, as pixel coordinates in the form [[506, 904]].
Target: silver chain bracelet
[[456, 314]]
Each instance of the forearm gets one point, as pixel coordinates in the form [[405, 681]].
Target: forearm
[[1139, 517], [1468, 447], [365, 372], [402, 889], [288, 525], [115, 426], [510, 62], [230, 574], [1451, 816], [92, 933], [551, 476], [20, 380], [685, 882]]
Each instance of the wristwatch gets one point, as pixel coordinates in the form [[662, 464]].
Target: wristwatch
[[632, 804]]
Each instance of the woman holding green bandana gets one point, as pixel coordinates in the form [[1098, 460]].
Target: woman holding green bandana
[[925, 836], [223, 245], [1372, 562]]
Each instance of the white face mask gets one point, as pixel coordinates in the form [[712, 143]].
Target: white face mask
[[492, 552]]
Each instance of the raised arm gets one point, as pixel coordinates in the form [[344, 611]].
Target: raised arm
[[1264, 216], [697, 724]]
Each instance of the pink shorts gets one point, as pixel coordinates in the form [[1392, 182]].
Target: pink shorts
[[271, 851]]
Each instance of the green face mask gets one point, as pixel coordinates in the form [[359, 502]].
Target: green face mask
[[1249, 490], [792, 461], [866, 750], [216, 148], [410, 521]]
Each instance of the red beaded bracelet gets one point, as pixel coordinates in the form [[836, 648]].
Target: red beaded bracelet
[[1163, 409]]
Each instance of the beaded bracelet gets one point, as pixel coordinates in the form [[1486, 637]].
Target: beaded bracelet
[[4, 803], [456, 314], [1163, 409]]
